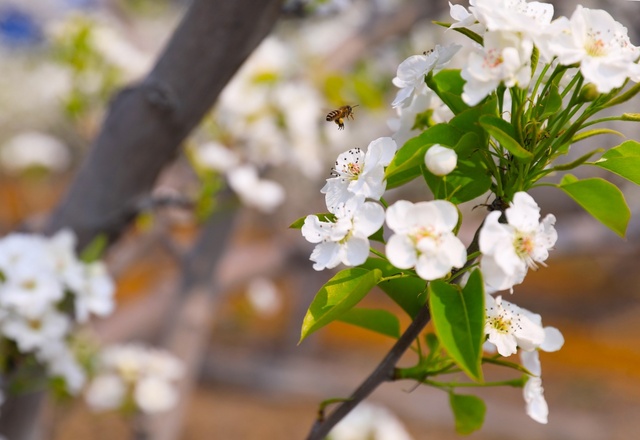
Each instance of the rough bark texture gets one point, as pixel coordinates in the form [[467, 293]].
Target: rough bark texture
[[144, 128]]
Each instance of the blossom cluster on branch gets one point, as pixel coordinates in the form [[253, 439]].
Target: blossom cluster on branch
[[527, 93]]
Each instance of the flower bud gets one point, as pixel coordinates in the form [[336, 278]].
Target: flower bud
[[589, 93], [440, 160]]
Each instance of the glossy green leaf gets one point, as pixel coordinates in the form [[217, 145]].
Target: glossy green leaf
[[337, 296], [468, 412], [407, 292], [379, 321], [602, 199], [623, 160], [448, 85], [458, 317], [503, 132]]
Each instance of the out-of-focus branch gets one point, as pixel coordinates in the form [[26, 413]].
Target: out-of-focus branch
[[144, 128], [147, 122]]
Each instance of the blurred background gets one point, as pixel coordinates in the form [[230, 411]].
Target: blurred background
[[62, 61]]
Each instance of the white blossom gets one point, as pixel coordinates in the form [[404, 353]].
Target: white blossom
[[411, 72], [131, 371], [359, 174], [215, 156], [424, 238], [509, 250], [263, 194], [597, 42], [504, 58], [36, 332], [346, 239], [95, 292], [508, 327], [33, 149]]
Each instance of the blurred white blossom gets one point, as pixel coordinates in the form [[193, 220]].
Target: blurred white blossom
[[33, 149], [369, 422], [132, 371]]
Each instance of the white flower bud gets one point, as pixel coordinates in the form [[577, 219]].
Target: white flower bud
[[440, 160]]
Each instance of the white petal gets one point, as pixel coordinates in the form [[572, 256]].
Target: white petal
[[524, 212], [385, 148], [368, 219], [326, 256], [537, 407], [355, 251], [314, 230], [531, 361], [401, 251], [431, 268], [553, 339], [398, 218], [493, 234]]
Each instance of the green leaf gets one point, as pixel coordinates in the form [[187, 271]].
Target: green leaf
[[458, 317], [596, 132], [468, 412], [323, 217], [464, 31], [378, 235], [623, 160], [551, 103], [448, 85], [337, 296], [407, 292], [579, 161], [406, 164], [379, 321], [602, 199], [94, 250], [504, 133]]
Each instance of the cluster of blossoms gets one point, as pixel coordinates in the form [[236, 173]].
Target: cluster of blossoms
[[518, 58], [39, 278], [135, 377]]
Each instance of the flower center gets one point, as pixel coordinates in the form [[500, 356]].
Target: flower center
[[28, 284], [595, 46], [500, 323], [493, 59]]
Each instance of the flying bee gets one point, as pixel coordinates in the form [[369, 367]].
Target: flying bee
[[339, 115]]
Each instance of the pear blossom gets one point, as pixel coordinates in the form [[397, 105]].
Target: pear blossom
[[31, 288], [133, 372], [464, 19], [405, 125], [424, 238], [440, 160], [601, 45], [411, 72], [215, 156], [61, 362], [33, 333], [508, 327], [357, 173], [526, 18], [533, 392], [264, 297], [509, 250], [94, 293], [504, 58], [347, 239], [34, 150], [265, 195]]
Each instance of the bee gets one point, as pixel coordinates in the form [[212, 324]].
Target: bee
[[339, 115]]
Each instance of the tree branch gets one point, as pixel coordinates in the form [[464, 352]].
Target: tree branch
[[147, 122], [384, 372]]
